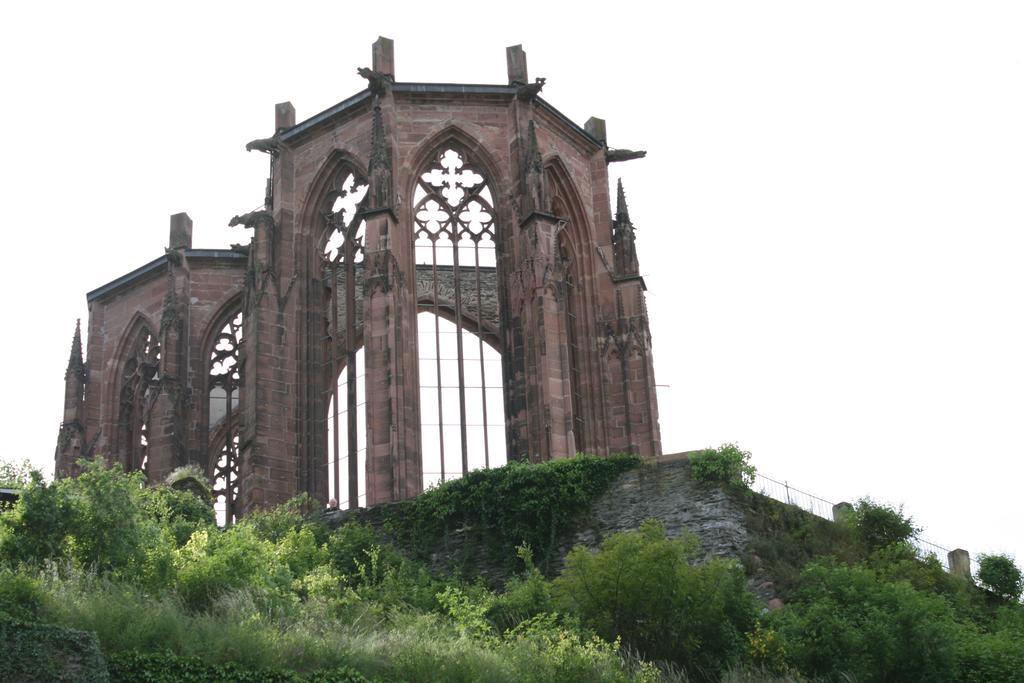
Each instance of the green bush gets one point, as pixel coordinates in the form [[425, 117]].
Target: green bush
[[1000, 575], [845, 620], [180, 511], [213, 563], [986, 657], [880, 526], [524, 597], [727, 464], [347, 547], [22, 597], [641, 587]]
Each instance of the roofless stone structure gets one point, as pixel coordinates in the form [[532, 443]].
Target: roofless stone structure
[[436, 281]]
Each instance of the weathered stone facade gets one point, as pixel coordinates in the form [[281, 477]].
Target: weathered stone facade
[[230, 358]]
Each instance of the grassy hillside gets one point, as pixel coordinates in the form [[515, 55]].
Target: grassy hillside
[[283, 597]]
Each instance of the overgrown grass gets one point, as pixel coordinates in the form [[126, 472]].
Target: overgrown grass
[[278, 593]]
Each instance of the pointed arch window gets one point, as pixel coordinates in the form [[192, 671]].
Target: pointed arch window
[[140, 378], [224, 382], [460, 376], [342, 251]]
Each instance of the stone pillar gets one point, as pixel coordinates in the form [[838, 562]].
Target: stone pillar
[[960, 563], [842, 512], [394, 464], [165, 424], [271, 452], [284, 116], [515, 58], [629, 366], [630, 394], [540, 411], [596, 129], [181, 232], [384, 56]]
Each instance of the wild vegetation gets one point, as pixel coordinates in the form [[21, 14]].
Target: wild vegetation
[[145, 573]]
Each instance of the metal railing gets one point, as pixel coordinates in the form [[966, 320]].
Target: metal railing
[[783, 492]]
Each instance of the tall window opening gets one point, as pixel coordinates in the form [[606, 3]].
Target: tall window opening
[[224, 380], [572, 323], [440, 421], [140, 378], [339, 411], [461, 405], [343, 252]]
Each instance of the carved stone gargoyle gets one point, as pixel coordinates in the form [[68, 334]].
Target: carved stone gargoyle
[[250, 219], [269, 145], [377, 82], [529, 91], [613, 155], [173, 255]]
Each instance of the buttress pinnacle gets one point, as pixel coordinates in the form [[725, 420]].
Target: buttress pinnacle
[[76, 364], [621, 210]]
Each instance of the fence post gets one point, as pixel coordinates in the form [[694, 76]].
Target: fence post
[[960, 563], [842, 512], [789, 501]]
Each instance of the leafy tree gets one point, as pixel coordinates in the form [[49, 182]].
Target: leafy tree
[[727, 464], [1000, 575], [16, 475], [36, 529], [109, 529], [880, 526]]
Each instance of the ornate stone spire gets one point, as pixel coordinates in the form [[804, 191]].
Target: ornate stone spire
[[76, 364], [380, 164], [621, 210], [533, 174], [624, 238]]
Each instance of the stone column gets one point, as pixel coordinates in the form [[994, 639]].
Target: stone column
[[960, 563], [540, 408], [271, 451], [842, 512], [165, 424], [394, 465]]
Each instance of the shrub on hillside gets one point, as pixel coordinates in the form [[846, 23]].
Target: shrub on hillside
[[642, 587], [727, 464], [180, 511], [845, 620]]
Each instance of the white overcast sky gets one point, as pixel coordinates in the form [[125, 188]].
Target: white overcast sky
[[830, 217]]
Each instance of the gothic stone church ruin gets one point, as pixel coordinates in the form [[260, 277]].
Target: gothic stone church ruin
[[435, 283]]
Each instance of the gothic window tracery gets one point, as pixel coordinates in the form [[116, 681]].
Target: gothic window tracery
[[461, 405], [343, 252], [224, 381], [140, 378]]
